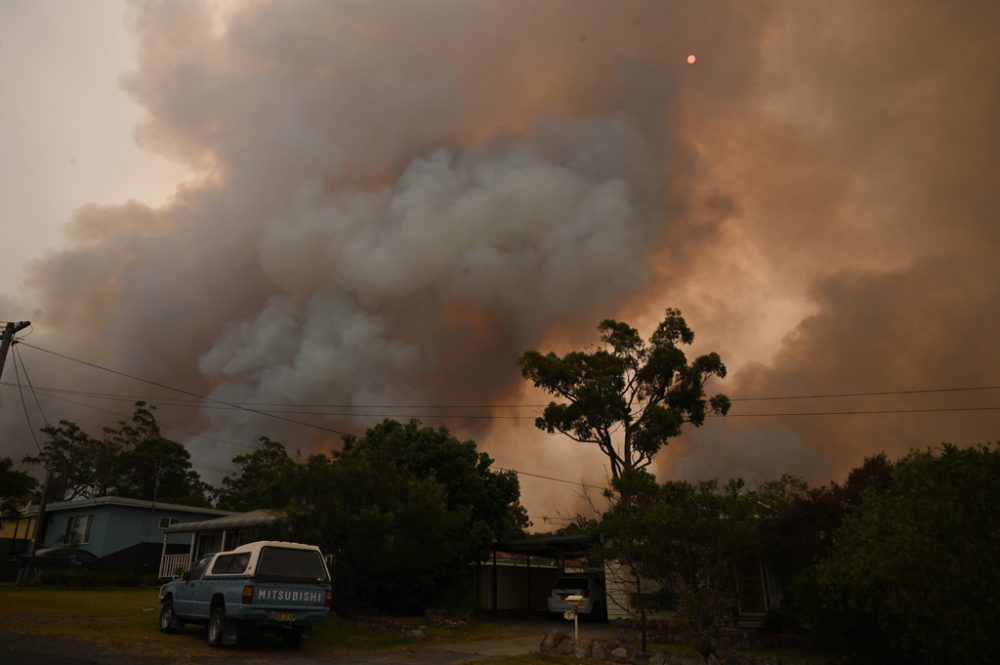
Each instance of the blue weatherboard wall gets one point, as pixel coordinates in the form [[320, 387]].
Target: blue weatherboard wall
[[116, 527]]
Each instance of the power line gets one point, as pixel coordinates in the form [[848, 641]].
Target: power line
[[558, 480], [20, 359], [165, 427], [187, 392], [243, 445], [168, 402], [175, 401], [263, 405], [878, 393], [552, 518], [239, 406], [857, 412], [24, 404], [296, 409]]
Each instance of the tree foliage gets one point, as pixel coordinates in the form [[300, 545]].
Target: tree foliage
[[488, 500], [132, 459], [912, 575], [683, 542], [160, 469], [393, 540], [266, 478], [75, 460], [647, 390], [402, 509], [15, 488]]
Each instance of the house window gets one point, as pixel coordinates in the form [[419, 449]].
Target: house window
[[209, 543], [167, 521], [78, 529]]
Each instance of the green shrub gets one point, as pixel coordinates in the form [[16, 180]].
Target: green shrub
[[913, 574], [89, 579]]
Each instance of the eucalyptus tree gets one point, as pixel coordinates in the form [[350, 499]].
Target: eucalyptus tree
[[628, 396]]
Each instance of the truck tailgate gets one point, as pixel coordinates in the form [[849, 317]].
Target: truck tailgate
[[291, 596]]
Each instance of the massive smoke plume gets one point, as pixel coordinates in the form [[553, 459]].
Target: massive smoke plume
[[394, 200], [866, 179]]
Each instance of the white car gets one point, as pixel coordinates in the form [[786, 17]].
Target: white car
[[591, 588]]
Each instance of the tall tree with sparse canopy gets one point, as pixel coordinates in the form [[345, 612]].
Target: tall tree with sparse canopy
[[132, 460], [628, 396]]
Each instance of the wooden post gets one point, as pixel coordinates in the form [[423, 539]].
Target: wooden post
[[496, 604], [527, 577], [163, 555]]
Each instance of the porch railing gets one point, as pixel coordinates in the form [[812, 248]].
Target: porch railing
[[171, 565]]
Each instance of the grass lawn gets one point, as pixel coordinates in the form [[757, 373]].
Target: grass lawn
[[537, 659], [126, 620], [790, 657]]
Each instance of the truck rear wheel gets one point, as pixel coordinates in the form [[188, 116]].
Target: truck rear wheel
[[215, 621]]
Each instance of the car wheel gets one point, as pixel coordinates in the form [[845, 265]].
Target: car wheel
[[168, 620], [215, 621], [292, 638]]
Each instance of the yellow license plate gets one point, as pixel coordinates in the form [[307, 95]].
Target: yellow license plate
[[284, 616]]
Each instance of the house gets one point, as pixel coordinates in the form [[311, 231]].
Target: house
[[520, 574], [15, 534], [758, 590], [209, 536], [110, 533]]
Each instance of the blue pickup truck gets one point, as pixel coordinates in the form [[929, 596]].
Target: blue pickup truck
[[267, 585]]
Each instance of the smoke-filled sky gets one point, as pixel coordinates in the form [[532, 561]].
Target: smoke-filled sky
[[384, 204]]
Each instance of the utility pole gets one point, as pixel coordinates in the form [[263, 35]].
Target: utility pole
[[6, 342], [37, 541], [8, 339]]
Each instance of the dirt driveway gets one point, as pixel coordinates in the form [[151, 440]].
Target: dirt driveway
[[520, 637]]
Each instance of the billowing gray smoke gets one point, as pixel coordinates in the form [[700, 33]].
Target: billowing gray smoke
[[426, 286], [394, 200]]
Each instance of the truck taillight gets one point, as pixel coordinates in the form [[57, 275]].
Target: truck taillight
[[248, 594], [329, 598], [585, 594]]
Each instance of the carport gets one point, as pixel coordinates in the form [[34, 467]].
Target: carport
[[522, 571]]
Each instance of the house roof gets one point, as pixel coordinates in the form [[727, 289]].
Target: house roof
[[230, 521], [77, 504]]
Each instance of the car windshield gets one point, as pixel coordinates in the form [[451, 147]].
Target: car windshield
[[291, 564]]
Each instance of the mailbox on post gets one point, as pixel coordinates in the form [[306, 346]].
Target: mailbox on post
[[576, 602]]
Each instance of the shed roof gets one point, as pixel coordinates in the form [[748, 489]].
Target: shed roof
[[231, 521], [549, 545]]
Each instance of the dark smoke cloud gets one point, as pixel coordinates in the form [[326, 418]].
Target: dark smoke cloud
[[869, 196], [395, 200]]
